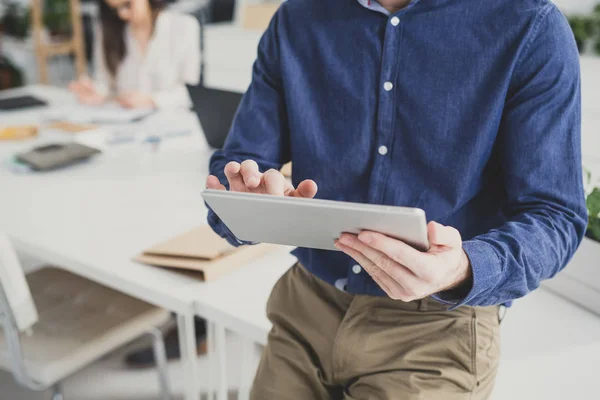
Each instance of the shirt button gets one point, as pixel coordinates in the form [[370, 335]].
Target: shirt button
[[356, 269], [388, 86], [341, 284], [382, 150], [395, 21]]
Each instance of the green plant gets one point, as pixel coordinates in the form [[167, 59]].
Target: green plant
[[57, 17], [593, 206], [16, 20], [579, 31], [586, 28]]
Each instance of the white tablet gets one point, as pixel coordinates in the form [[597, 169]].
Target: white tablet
[[312, 223]]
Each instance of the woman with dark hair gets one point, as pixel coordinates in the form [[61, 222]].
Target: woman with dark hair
[[144, 56]]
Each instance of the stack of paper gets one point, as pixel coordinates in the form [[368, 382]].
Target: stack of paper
[[203, 251]]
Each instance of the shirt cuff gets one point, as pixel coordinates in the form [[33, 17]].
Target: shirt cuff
[[222, 230], [485, 272]]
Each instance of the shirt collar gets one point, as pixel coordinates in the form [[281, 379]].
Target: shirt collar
[[375, 6]]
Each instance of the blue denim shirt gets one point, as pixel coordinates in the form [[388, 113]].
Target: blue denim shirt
[[467, 109]]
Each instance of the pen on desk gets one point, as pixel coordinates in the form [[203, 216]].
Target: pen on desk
[[168, 135], [120, 139], [151, 139], [155, 140]]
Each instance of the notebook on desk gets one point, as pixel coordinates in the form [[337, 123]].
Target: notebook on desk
[[203, 251]]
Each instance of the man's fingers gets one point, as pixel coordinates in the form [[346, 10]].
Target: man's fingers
[[441, 235], [307, 189], [250, 174], [212, 182], [397, 250], [380, 260], [247, 176], [366, 264], [232, 172], [273, 182], [390, 286]]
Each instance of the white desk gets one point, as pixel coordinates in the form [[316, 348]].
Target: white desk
[[91, 219]]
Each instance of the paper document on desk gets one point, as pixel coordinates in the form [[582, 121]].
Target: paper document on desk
[[203, 251], [106, 114]]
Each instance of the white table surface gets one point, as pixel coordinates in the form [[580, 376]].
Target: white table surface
[[92, 218]]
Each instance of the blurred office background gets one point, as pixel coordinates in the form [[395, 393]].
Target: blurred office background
[[551, 340]]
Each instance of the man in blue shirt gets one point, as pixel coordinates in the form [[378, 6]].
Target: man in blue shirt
[[467, 109]]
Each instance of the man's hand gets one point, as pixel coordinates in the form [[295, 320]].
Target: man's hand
[[246, 177], [135, 100], [405, 273]]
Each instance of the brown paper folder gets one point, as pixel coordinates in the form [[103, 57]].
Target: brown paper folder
[[203, 251]]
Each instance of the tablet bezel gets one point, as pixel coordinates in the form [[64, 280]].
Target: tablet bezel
[[410, 215]]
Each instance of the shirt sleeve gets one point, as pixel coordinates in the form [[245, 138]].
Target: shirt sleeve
[[539, 143], [189, 69], [260, 128]]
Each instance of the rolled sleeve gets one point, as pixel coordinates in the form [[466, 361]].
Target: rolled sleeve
[[486, 272]]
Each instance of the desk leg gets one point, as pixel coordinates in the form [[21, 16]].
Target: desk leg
[[189, 364], [246, 369], [221, 350], [211, 353]]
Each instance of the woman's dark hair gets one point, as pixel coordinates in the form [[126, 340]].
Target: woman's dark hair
[[113, 30]]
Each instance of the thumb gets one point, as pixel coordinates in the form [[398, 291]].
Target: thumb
[[307, 189], [440, 235]]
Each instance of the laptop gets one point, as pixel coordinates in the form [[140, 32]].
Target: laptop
[[216, 109]]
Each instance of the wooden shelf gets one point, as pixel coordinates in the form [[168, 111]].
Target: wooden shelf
[[74, 45], [60, 48]]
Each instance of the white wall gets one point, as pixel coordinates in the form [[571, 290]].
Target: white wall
[[576, 6]]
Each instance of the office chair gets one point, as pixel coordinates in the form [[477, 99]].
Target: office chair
[[55, 323]]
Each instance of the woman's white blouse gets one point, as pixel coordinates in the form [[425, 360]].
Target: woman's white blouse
[[171, 61]]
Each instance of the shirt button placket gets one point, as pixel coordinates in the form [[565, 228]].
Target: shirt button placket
[[386, 109]]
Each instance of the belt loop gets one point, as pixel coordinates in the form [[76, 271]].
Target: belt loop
[[423, 304]]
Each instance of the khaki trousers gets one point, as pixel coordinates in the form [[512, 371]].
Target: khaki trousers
[[328, 344]]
